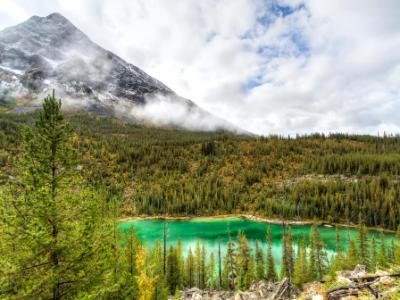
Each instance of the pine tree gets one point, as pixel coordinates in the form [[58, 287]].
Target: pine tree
[[146, 283], [352, 255], [260, 264], [312, 271], [382, 258], [374, 255], [363, 250], [210, 275], [229, 269], [392, 250], [126, 265], [190, 270], [244, 263], [337, 262], [287, 254], [53, 226], [320, 255], [180, 259], [155, 270], [271, 273], [300, 266], [203, 269], [338, 248], [397, 251], [199, 265], [172, 275], [219, 265]]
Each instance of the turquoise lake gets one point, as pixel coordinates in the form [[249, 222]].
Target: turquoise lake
[[210, 231]]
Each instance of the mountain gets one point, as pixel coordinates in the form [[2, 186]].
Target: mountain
[[45, 53]]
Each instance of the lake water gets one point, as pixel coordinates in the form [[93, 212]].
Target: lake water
[[210, 231]]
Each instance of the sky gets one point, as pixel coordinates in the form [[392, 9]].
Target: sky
[[267, 66]]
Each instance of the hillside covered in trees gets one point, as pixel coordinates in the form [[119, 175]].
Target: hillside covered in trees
[[155, 171]]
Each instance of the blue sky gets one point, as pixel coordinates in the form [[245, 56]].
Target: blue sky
[[279, 66]]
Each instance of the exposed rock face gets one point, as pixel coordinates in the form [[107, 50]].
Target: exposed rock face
[[257, 291], [52, 51]]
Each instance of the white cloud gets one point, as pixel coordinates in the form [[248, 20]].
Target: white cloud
[[309, 66]]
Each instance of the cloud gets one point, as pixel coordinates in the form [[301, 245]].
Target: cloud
[[166, 111], [278, 66]]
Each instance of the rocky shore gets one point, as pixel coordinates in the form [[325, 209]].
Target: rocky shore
[[356, 284], [258, 291]]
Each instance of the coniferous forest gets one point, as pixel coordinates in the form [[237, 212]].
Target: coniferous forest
[[68, 179]]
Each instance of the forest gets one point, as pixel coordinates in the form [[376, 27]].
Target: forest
[[66, 180], [163, 171]]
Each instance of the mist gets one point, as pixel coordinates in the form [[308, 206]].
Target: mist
[[162, 110]]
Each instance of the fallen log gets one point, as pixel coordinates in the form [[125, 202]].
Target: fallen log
[[372, 277], [351, 290]]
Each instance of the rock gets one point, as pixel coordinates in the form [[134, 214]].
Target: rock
[[259, 290], [359, 271]]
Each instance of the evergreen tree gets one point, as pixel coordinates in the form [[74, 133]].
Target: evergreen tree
[[382, 258], [127, 272], [321, 258], [312, 271], [155, 269], [210, 275], [271, 273], [190, 278], [229, 269], [392, 250], [146, 282], [363, 250], [54, 227], [338, 248], [203, 270], [180, 259], [244, 263], [172, 275], [219, 265], [352, 255], [300, 266], [374, 255], [199, 262], [260, 264], [397, 251], [287, 253]]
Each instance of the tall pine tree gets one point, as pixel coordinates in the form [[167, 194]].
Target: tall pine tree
[[53, 225]]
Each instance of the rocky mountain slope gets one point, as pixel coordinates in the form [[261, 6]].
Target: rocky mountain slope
[[46, 53]]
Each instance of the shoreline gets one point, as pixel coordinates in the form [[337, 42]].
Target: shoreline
[[250, 217]]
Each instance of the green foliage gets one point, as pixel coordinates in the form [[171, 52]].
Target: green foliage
[[260, 263], [271, 273], [245, 263], [53, 227], [300, 266], [287, 254]]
